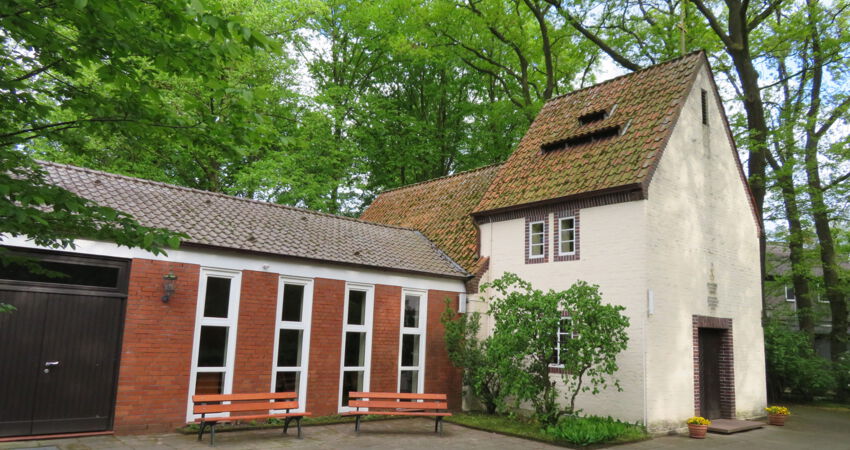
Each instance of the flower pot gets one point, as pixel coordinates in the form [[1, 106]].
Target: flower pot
[[776, 419], [697, 431]]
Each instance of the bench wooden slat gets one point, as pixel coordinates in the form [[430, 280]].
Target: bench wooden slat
[[403, 396], [238, 397], [251, 417], [396, 413], [254, 406], [402, 405]]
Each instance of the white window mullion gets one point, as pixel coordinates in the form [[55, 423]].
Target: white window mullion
[[411, 360], [357, 320]]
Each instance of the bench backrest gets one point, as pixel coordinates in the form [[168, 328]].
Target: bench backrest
[[393, 400], [213, 403]]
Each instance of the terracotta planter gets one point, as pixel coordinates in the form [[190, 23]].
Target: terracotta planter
[[777, 419], [697, 431]]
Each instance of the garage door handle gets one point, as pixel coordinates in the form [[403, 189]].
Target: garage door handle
[[51, 363]]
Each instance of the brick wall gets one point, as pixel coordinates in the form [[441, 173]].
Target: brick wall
[[385, 336], [325, 346], [440, 375], [256, 332], [156, 353]]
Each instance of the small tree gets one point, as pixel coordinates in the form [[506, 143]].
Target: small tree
[[473, 356], [526, 328]]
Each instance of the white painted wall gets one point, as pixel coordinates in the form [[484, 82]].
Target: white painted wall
[[702, 230], [232, 260], [696, 221]]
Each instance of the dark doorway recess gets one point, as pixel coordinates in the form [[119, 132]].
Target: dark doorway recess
[[59, 350], [710, 344]]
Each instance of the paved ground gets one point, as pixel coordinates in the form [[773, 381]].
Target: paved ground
[[809, 428]]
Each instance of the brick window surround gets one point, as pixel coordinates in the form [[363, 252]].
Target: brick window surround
[[574, 213], [727, 364], [528, 221]]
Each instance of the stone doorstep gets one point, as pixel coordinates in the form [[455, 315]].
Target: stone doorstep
[[729, 426]]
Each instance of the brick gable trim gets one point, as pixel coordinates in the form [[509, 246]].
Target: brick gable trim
[[727, 364]]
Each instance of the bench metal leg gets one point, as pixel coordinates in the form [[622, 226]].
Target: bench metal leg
[[298, 422], [286, 424], [201, 431], [212, 435], [438, 425], [357, 423]]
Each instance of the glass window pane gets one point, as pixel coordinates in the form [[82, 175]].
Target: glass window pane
[[411, 311], [410, 350], [356, 307], [536, 250], [352, 381], [566, 247], [217, 297], [287, 382], [409, 381], [537, 228], [567, 224], [209, 383], [289, 348], [293, 298], [212, 348], [63, 273], [355, 349], [537, 239]]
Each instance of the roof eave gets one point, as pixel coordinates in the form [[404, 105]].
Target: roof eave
[[459, 276], [632, 187]]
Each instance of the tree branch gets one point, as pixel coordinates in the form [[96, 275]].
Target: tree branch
[[713, 23]]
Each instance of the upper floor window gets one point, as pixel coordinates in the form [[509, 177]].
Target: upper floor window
[[704, 106], [566, 236], [536, 239], [790, 295]]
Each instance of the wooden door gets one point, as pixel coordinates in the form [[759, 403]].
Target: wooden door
[[60, 348], [709, 372]]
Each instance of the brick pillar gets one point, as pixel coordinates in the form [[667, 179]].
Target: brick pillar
[[440, 375], [325, 346], [255, 336], [385, 336], [156, 352]]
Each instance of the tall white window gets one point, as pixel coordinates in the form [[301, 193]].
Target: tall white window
[[356, 341], [565, 333], [566, 236], [536, 239], [214, 349], [292, 341], [414, 313]]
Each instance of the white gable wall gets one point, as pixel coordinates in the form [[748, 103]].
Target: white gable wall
[[613, 255], [701, 230]]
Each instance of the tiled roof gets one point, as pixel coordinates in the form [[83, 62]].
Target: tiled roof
[[440, 209], [223, 221], [642, 105]]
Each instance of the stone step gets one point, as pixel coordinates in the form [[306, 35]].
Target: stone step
[[729, 426]]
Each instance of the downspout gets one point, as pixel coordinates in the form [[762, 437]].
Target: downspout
[[649, 309]]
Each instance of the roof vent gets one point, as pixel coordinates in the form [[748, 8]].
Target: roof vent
[[596, 135]]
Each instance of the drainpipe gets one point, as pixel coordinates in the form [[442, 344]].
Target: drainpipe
[[650, 310]]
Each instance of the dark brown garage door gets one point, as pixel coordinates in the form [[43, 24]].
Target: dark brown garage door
[[59, 350]]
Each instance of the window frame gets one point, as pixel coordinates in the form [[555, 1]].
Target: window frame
[[561, 229], [531, 235], [573, 335], [231, 322], [304, 326], [790, 299], [368, 323], [420, 330]]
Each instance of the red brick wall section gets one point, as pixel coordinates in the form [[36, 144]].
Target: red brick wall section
[[325, 346], [156, 352], [441, 376], [385, 336], [255, 335]]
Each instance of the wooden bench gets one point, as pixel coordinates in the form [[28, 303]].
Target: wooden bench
[[393, 404], [251, 407]]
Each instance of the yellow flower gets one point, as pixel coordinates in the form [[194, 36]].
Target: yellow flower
[[698, 421], [780, 410]]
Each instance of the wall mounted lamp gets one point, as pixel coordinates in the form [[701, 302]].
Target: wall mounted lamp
[[168, 286]]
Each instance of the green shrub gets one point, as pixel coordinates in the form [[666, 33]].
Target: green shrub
[[793, 366], [591, 430]]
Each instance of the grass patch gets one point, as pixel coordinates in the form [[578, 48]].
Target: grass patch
[[193, 428], [589, 429], [832, 406]]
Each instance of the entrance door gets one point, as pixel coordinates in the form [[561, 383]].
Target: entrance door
[[709, 372], [59, 349]]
